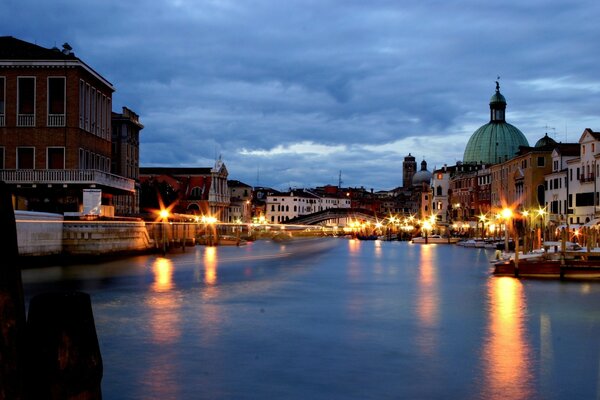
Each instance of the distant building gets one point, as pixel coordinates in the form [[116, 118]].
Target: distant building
[[125, 157], [240, 207], [283, 207], [409, 168], [201, 191]]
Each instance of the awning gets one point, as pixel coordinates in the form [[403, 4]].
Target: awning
[[593, 222]]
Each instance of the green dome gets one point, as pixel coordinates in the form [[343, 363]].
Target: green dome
[[545, 141], [494, 142], [497, 98]]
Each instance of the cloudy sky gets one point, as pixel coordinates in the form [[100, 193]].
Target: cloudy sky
[[290, 92]]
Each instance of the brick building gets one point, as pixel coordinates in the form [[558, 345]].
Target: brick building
[[201, 191], [55, 129]]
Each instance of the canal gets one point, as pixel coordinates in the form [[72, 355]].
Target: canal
[[334, 319]]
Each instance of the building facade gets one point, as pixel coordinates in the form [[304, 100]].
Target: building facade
[[125, 157], [187, 190], [55, 130]]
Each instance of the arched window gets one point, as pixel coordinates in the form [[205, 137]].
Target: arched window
[[287, 208], [196, 193], [439, 190]]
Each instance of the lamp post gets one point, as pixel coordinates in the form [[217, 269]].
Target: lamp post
[[482, 219], [506, 215], [541, 212], [164, 217]]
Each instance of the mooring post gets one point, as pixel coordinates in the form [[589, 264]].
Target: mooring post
[[12, 305], [63, 354]]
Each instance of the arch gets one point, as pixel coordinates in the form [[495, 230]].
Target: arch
[[541, 195], [193, 208]]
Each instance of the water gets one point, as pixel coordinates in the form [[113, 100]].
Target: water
[[335, 319]]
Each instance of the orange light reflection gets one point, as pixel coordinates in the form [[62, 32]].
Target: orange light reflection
[[164, 317], [163, 275], [428, 300], [506, 354], [210, 266]]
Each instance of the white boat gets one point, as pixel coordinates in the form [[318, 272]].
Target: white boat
[[435, 239]]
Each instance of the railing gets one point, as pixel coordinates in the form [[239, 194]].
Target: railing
[[586, 178], [66, 176], [26, 120], [56, 119]]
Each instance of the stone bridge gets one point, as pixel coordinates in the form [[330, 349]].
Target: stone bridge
[[334, 214]]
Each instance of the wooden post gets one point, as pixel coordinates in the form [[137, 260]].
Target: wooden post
[[64, 360], [12, 305]]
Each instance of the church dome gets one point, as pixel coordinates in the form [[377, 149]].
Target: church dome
[[423, 176], [545, 141], [496, 141]]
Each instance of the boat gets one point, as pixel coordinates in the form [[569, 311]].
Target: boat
[[366, 237], [437, 239], [550, 268]]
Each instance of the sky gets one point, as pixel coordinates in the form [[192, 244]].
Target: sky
[[298, 93]]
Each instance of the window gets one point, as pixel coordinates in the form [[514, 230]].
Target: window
[[196, 192], [541, 161], [55, 158], [56, 101], [25, 158], [1, 157], [2, 102], [26, 101]]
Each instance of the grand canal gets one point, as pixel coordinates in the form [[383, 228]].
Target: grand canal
[[335, 319]]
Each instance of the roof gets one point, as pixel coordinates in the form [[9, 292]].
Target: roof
[[15, 49], [568, 149], [232, 182], [16, 52]]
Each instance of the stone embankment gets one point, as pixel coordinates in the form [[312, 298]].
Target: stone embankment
[[45, 234]]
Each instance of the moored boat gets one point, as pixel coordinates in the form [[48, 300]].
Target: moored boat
[[550, 268], [435, 239]]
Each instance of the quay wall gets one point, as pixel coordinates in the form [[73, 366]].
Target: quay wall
[[39, 234], [95, 238], [45, 234]]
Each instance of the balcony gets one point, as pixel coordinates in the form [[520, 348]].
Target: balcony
[[88, 177], [56, 120], [26, 120], [586, 178]]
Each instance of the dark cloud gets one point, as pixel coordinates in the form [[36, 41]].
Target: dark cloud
[[290, 93]]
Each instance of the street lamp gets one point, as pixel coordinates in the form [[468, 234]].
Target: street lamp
[[482, 219], [506, 214], [541, 212]]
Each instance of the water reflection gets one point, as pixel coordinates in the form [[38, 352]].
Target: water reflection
[[164, 316], [427, 301], [210, 266], [163, 275], [507, 365]]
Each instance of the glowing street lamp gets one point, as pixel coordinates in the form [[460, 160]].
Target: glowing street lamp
[[506, 214]]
